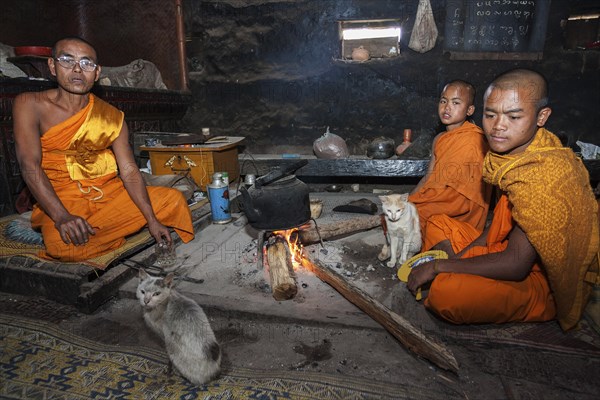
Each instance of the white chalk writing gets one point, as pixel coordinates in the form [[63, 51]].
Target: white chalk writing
[[501, 25]]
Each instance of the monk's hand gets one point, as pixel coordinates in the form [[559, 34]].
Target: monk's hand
[[159, 232], [421, 275], [74, 229]]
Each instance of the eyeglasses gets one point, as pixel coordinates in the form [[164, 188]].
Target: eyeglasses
[[84, 63]]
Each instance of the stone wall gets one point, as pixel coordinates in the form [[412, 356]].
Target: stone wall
[[267, 70]]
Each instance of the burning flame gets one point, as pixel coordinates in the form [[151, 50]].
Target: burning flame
[[292, 238]]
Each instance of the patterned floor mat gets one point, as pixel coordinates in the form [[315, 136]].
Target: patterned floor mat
[[40, 361]]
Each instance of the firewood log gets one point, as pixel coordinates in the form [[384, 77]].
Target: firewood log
[[338, 228], [412, 338], [281, 272]]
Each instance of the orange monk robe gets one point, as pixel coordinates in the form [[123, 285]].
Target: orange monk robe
[[465, 298], [454, 184], [548, 189], [82, 169]]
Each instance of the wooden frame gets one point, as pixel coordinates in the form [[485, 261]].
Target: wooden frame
[[464, 55], [378, 48]]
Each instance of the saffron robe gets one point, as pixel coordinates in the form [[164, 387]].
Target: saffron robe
[[465, 298], [454, 185], [82, 169], [552, 201]]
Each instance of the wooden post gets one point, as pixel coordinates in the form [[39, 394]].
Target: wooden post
[[338, 228], [179, 24], [281, 272], [400, 328]]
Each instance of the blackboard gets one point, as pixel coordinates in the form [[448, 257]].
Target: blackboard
[[496, 26]]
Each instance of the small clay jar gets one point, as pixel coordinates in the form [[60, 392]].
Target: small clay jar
[[381, 148], [360, 54]]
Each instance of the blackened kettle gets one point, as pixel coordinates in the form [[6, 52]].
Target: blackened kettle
[[278, 200]]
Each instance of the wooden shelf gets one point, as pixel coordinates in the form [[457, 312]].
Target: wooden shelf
[[353, 166], [357, 166], [369, 61]]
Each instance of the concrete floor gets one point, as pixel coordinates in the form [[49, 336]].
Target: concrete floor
[[319, 330]]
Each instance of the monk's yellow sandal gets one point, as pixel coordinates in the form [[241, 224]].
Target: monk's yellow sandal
[[421, 258]]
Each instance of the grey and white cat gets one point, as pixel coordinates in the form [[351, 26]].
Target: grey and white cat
[[403, 229], [184, 327]]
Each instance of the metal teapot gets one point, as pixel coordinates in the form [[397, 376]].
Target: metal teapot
[[277, 201]]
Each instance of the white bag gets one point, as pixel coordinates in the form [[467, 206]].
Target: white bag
[[424, 33], [589, 151], [330, 146]]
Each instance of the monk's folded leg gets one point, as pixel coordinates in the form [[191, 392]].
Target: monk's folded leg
[[56, 249], [59, 250], [468, 299], [172, 210], [120, 217]]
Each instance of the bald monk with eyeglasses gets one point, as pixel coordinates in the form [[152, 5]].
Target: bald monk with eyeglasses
[[74, 153]]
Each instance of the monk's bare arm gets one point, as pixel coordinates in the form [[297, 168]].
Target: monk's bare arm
[[27, 112], [512, 264], [26, 122], [135, 186]]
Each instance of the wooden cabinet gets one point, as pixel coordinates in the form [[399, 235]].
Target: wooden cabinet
[[199, 163]]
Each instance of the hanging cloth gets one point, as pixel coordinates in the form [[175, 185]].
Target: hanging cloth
[[424, 33]]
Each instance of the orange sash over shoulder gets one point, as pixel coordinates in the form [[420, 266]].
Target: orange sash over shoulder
[[78, 148], [454, 186], [553, 203]]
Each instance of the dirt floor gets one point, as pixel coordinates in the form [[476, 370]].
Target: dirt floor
[[321, 331]]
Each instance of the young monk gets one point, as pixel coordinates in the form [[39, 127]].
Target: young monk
[[453, 184], [538, 259], [74, 153]]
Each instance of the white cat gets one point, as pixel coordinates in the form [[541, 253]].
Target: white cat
[[184, 327], [403, 230]]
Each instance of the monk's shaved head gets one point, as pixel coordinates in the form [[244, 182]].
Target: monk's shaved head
[[533, 84], [470, 89], [73, 39]]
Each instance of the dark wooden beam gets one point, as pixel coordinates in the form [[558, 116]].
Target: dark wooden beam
[[262, 164], [357, 166]]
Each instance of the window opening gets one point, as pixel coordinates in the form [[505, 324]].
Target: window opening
[[380, 38]]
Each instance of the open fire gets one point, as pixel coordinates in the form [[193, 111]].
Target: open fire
[[292, 239], [282, 251]]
